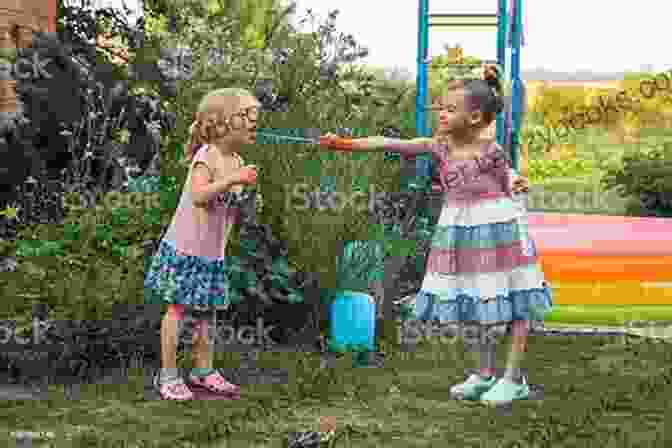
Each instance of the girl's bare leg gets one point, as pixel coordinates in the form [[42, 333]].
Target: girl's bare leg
[[519, 333], [201, 352], [169, 339], [482, 347], [169, 327]]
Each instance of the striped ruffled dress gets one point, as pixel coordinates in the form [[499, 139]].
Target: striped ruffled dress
[[482, 266]]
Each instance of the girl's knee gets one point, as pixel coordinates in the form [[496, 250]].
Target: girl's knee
[[519, 334], [176, 311], [482, 334], [173, 322], [520, 328]]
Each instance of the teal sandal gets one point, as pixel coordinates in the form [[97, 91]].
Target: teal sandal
[[473, 388], [505, 392]]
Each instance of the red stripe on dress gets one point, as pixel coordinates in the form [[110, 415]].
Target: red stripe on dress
[[471, 261]]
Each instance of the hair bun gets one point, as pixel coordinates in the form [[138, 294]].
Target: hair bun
[[492, 79], [491, 76]]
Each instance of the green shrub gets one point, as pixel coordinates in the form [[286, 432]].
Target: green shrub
[[645, 178], [532, 137], [80, 268], [542, 169], [558, 103]]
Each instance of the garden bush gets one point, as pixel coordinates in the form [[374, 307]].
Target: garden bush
[[79, 122], [556, 103], [652, 108], [645, 178], [554, 107], [542, 169]]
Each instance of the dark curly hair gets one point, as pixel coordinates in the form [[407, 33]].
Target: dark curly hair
[[483, 95]]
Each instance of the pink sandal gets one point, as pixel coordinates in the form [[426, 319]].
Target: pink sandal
[[177, 391], [214, 382]]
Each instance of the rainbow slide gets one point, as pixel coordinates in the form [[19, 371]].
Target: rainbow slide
[[605, 260]]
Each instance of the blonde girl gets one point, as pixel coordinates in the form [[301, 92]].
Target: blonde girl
[[188, 270], [482, 269]]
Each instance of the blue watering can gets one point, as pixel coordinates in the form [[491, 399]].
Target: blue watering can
[[353, 320]]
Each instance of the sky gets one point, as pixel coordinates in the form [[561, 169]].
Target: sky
[[564, 36]]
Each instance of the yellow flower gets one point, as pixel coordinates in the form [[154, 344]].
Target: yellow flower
[[10, 212], [124, 136]]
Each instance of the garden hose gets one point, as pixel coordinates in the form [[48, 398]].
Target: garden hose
[[338, 143]]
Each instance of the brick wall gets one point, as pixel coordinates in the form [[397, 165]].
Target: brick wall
[[18, 20]]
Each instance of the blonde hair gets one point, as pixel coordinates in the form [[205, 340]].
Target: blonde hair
[[211, 117]]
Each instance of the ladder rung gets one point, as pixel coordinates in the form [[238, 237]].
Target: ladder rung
[[465, 25], [465, 19], [465, 65], [464, 16], [483, 61]]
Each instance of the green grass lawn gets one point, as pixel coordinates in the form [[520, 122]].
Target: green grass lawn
[[599, 392]]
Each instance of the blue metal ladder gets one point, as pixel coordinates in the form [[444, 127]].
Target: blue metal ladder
[[508, 49]]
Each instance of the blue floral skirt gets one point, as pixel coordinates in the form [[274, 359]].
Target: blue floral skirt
[[177, 278]]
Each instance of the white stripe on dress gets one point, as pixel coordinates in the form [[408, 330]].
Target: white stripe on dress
[[483, 285], [485, 211]]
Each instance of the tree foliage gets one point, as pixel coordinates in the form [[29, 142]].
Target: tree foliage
[[452, 65]]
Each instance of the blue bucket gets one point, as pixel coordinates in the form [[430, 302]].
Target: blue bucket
[[353, 319]]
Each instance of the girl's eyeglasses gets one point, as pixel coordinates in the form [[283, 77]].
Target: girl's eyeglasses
[[237, 122], [438, 107]]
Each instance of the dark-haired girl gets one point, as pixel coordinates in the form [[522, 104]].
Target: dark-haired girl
[[482, 270]]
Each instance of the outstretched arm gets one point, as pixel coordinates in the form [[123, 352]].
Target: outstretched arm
[[378, 144]]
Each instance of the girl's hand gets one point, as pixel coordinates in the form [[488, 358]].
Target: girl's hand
[[520, 185], [327, 139], [246, 175]]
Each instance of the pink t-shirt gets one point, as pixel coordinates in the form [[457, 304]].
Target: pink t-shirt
[[205, 231]]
